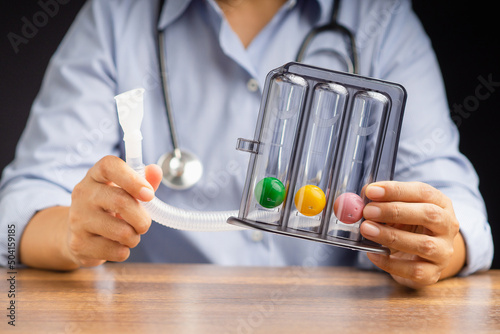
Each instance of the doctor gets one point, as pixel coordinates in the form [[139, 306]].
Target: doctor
[[75, 202]]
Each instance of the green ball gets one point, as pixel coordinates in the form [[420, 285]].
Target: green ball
[[270, 192]]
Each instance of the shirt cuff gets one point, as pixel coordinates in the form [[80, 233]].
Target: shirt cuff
[[476, 233], [19, 202]]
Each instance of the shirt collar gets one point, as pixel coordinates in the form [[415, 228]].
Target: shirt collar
[[172, 9]]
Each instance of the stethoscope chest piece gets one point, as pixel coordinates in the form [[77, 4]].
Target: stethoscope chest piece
[[181, 170]]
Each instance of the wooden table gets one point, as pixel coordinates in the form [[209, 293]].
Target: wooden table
[[162, 298]]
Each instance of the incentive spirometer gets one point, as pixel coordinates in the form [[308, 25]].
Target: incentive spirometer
[[321, 137]]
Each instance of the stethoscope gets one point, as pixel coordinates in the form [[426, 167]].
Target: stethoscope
[[181, 169]]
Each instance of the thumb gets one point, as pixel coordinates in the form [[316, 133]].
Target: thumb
[[154, 175]]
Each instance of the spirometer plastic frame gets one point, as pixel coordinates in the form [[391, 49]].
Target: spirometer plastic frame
[[396, 95]]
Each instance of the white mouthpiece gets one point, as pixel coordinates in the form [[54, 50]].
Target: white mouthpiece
[[130, 112]]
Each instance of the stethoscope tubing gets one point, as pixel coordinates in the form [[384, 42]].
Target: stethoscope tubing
[[334, 26]]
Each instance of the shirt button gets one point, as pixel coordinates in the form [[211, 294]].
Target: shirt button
[[252, 85], [257, 236]]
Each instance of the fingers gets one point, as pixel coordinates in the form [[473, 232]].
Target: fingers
[[112, 228], [416, 192], [90, 198], [410, 272], [154, 175], [95, 250], [430, 216], [433, 249], [411, 203], [105, 218], [112, 169], [117, 200], [106, 225], [417, 222]]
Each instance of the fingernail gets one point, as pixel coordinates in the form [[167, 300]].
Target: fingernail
[[371, 212], [146, 194], [370, 230], [375, 192]]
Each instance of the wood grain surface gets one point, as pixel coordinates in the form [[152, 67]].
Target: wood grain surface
[[166, 298]]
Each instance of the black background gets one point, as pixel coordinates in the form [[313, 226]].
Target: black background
[[464, 36]]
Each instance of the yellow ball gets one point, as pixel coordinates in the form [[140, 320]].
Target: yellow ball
[[310, 200]]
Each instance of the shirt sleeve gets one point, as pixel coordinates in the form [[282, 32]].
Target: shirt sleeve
[[71, 126], [428, 150]]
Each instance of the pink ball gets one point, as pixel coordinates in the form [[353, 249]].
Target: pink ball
[[348, 208]]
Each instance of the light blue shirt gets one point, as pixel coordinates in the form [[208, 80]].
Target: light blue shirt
[[216, 86]]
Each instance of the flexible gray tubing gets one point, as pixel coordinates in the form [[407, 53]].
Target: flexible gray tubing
[[187, 220]]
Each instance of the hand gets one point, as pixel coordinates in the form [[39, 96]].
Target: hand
[[106, 219], [418, 224]]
